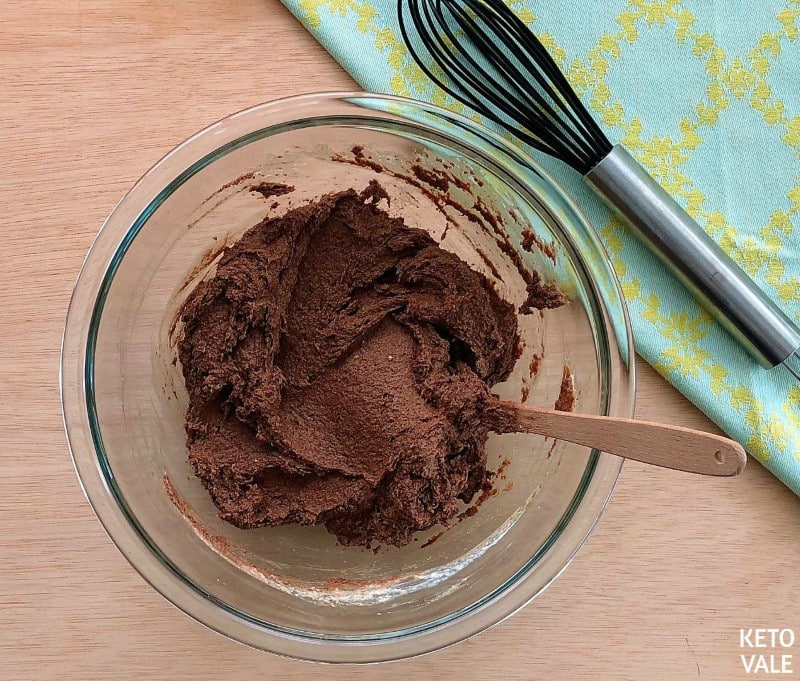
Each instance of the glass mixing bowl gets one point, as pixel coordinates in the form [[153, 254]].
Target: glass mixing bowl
[[294, 590]]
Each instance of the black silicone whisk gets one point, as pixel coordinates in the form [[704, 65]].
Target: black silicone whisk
[[483, 55]]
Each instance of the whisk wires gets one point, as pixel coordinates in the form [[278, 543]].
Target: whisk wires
[[483, 55]]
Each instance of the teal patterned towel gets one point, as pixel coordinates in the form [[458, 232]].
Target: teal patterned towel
[[706, 95]]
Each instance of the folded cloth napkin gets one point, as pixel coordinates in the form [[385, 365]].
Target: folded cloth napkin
[[704, 93]]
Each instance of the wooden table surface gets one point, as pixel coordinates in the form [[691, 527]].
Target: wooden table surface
[[92, 92]]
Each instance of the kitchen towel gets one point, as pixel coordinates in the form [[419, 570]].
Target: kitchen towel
[[706, 95]]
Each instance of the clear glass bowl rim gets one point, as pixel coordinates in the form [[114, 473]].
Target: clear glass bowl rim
[[97, 479]]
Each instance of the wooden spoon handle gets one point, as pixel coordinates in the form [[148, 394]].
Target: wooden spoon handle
[[682, 449]]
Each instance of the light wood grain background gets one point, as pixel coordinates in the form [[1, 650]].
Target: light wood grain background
[[92, 92]]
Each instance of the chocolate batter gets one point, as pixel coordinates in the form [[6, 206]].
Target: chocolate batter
[[339, 367]]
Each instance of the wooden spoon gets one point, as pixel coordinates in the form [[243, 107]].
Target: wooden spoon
[[682, 449]]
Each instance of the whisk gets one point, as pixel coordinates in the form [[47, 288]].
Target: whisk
[[492, 62]]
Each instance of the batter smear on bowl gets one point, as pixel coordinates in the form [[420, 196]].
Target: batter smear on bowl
[[339, 367]]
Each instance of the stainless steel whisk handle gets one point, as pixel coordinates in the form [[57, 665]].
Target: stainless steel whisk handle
[[719, 284]]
